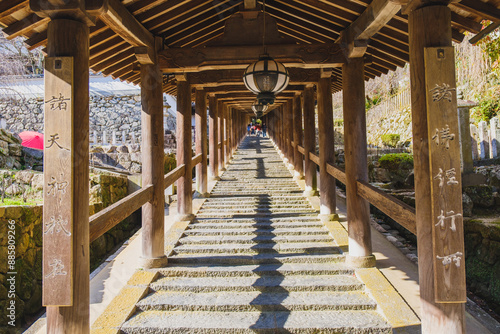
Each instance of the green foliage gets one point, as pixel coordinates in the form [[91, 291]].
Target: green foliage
[[19, 201], [371, 102], [169, 163], [489, 105], [338, 122], [395, 161], [390, 139]]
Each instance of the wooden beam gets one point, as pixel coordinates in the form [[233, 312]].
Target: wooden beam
[[479, 8], [401, 212], [177, 60], [173, 176], [109, 217], [376, 16], [21, 27], [121, 21], [12, 6], [249, 4]]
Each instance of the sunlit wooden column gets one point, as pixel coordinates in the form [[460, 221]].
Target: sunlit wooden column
[[214, 138], [289, 132], [356, 166], [201, 141], [311, 188], [66, 174], [281, 127], [184, 150], [228, 133], [326, 147], [220, 114], [298, 161], [435, 146]]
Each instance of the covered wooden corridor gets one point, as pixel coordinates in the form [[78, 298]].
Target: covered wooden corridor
[[198, 50]]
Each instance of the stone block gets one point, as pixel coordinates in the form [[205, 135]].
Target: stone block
[[24, 176], [37, 181], [467, 205], [15, 150], [481, 195]]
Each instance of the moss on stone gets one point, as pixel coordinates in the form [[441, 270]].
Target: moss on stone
[[396, 161]]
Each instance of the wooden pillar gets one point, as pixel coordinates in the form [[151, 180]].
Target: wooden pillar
[[297, 137], [67, 38], [214, 133], [430, 26], [201, 141], [220, 113], [227, 131], [289, 133], [326, 147], [356, 166], [184, 150], [153, 213], [311, 188]]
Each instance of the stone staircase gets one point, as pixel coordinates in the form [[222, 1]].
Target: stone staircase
[[256, 259]]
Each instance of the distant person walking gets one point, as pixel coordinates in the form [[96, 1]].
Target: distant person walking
[[249, 127], [264, 130]]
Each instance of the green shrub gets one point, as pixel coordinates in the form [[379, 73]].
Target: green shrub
[[169, 163], [395, 161], [338, 122], [390, 139]]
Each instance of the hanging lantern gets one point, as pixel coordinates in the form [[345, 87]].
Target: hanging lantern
[[257, 106], [259, 114], [266, 78]]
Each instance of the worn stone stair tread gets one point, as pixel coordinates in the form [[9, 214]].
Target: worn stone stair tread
[[255, 239], [309, 248], [243, 301], [256, 231], [204, 226], [257, 270], [260, 283], [251, 322], [231, 259]]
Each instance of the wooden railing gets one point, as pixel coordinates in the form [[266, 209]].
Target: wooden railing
[[401, 212], [109, 217]]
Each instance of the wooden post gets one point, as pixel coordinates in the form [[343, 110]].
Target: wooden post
[[66, 174], [153, 213], [184, 150], [227, 131], [297, 137], [356, 167], [289, 133], [430, 26], [220, 114], [309, 142], [201, 141], [326, 147], [214, 130]]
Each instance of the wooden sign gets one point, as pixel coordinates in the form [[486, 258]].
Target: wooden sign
[[446, 184], [58, 188]]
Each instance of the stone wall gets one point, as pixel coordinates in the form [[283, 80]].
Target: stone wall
[[10, 150], [482, 260], [27, 221], [107, 113]]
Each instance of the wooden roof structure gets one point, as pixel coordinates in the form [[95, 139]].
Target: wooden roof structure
[[378, 29]]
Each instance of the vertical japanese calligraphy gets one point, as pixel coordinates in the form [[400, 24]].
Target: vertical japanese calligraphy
[[58, 188], [446, 187]]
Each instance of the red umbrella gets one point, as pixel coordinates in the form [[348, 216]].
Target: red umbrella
[[32, 139]]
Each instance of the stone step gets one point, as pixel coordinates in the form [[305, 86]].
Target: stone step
[[231, 259], [257, 270], [258, 248], [222, 224], [255, 231], [255, 301], [352, 322], [255, 214], [267, 211], [256, 204], [270, 238], [259, 283]]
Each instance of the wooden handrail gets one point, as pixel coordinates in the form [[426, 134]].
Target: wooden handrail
[[196, 159], [301, 150], [314, 158], [107, 218], [219, 145], [336, 172], [401, 212], [173, 176]]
